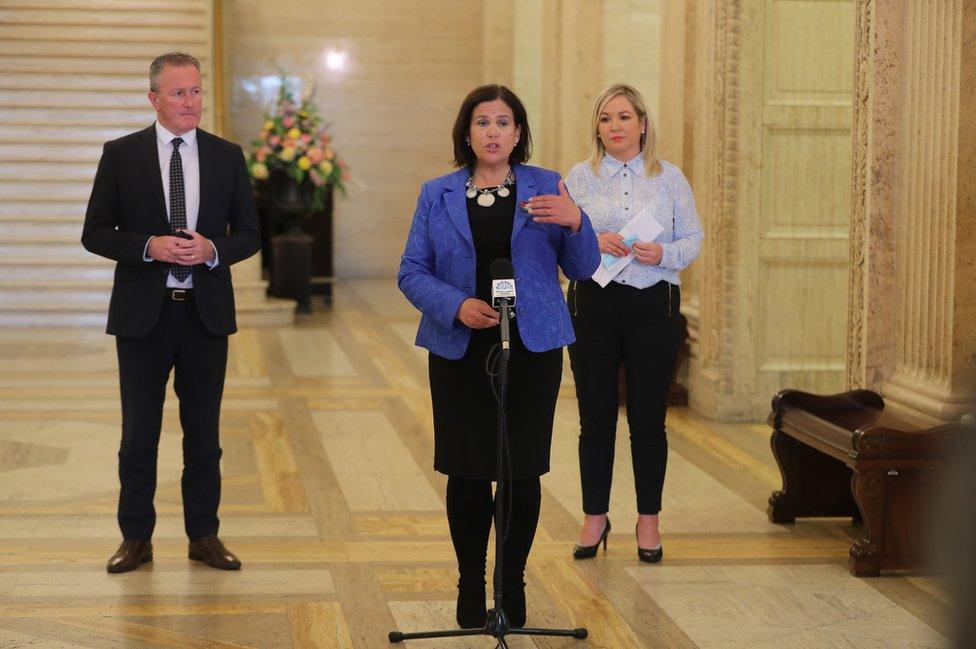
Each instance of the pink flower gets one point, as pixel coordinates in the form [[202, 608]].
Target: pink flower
[[316, 177], [315, 155], [306, 138], [288, 122], [260, 155], [274, 140]]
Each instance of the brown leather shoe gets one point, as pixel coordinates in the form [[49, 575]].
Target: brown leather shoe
[[211, 551], [130, 555]]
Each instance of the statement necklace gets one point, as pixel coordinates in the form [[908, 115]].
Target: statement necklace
[[486, 196]]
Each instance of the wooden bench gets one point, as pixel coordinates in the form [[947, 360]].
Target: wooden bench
[[845, 455]]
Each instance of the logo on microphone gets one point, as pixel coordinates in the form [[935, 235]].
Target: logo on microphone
[[505, 286], [502, 289], [502, 283]]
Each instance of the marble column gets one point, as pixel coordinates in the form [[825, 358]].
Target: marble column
[[913, 294]]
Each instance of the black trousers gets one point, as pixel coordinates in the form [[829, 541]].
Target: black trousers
[[639, 328], [200, 360]]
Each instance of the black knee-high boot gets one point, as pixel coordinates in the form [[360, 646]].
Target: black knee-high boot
[[469, 513], [524, 516]]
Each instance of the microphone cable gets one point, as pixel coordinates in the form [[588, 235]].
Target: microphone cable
[[493, 371]]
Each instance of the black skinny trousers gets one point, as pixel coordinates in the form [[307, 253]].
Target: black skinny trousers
[[639, 328]]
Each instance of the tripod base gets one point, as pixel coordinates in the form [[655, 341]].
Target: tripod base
[[497, 627]]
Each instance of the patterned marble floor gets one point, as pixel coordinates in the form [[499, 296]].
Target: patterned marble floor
[[331, 502]]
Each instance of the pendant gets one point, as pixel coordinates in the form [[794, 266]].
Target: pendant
[[471, 193], [503, 191], [486, 199]]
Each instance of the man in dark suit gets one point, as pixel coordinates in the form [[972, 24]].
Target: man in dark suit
[[172, 205]]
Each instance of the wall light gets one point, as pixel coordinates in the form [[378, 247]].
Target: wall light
[[335, 60]]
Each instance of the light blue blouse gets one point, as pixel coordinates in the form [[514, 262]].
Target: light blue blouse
[[620, 191]]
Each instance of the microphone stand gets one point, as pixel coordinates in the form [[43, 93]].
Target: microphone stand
[[497, 625]]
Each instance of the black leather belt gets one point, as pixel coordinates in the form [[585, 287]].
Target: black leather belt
[[179, 294]]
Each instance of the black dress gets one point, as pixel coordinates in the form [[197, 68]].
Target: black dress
[[465, 411]]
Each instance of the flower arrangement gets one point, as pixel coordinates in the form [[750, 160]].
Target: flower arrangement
[[294, 140]]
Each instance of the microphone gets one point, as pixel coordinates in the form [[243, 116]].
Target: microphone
[[503, 295]]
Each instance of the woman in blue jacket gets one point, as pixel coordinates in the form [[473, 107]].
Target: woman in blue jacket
[[493, 207]]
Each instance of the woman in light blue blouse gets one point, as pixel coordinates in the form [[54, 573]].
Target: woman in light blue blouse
[[633, 319]]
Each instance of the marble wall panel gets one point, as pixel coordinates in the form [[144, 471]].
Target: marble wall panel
[[799, 67], [788, 291], [799, 161]]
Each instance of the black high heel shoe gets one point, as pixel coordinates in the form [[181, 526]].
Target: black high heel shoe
[[649, 556], [589, 551]]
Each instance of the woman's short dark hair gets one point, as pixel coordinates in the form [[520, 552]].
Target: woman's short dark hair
[[463, 154]]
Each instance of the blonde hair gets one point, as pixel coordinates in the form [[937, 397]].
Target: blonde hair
[[648, 139]]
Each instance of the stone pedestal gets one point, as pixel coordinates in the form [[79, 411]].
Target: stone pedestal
[[291, 276]]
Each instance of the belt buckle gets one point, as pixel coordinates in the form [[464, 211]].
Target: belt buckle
[[179, 295]]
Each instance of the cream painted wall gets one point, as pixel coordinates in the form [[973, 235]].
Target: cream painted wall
[[391, 108]]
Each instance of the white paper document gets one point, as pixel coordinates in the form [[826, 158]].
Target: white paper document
[[645, 228]]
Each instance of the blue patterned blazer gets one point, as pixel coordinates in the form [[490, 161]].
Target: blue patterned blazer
[[437, 270]]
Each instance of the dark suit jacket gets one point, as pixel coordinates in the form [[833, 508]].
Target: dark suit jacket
[[127, 206]]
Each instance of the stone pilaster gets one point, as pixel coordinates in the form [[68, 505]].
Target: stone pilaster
[[877, 102], [913, 294], [714, 168]]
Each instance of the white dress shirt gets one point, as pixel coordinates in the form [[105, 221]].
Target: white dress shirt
[[190, 155], [612, 197]]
